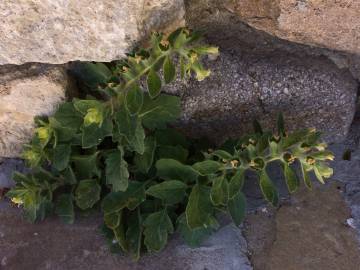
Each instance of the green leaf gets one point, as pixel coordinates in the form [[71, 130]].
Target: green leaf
[[172, 169], [67, 116], [158, 112], [153, 83], [61, 156], [171, 192], [144, 162], [131, 198], [116, 170], [84, 105], [130, 127], [281, 125], [199, 208], [169, 70], [236, 182], [194, 237], [87, 194], [220, 191], [65, 208], [222, 154], [268, 189], [134, 99], [119, 233], [257, 127], [112, 220], [92, 74], [171, 137], [134, 234], [291, 178], [85, 166], [93, 135], [237, 208], [157, 227], [207, 167], [173, 152], [69, 176], [306, 176]]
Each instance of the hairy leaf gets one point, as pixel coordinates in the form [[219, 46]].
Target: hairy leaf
[[87, 193], [157, 227], [171, 192], [172, 169], [117, 174], [199, 208], [153, 83], [237, 208], [268, 189], [65, 208]]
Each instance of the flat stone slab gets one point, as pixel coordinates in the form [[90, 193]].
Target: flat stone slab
[[56, 246], [310, 232]]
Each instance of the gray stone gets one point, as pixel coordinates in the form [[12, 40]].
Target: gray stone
[[311, 92], [62, 31], [25, 92], [7, 168], [53, 245]]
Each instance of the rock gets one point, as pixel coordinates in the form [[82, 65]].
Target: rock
[[311, 92], [7, 167], [321, 23], [25, 92], [53, 245], [309, 233], [59, 32], [215, 17]]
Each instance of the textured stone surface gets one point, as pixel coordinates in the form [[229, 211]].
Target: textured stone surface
[[224, 27], [25, 92], [322, 23], [311, 92], [62, 31], [53, 245], [7, 167], [310, 232]]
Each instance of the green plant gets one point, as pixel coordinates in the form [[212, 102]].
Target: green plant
[[115, 149]]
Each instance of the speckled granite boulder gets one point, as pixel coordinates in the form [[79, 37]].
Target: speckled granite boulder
[[311, 92], [25, 92], [53, 245]]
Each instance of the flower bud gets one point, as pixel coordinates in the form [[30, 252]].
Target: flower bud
[[93, 116], [43, 133]]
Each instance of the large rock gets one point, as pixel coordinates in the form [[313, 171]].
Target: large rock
[[311, 92], [322, 23], [25, 92], [62, 31], [53, 245]]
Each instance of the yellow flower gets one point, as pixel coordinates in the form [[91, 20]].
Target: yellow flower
[[17, 200]]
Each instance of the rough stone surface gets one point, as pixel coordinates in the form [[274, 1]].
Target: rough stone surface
[[311, 92], [62, 31], [53, 245], [7, 167], [323, 23], [27, 91], [308, 233], [224, 27]]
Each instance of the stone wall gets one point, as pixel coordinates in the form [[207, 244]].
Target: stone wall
[[299, 57]]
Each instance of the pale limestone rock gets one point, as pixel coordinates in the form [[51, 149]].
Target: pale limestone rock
[[25, 92], [55, 32]]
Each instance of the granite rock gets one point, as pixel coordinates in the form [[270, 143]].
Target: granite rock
[[310, 92]]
